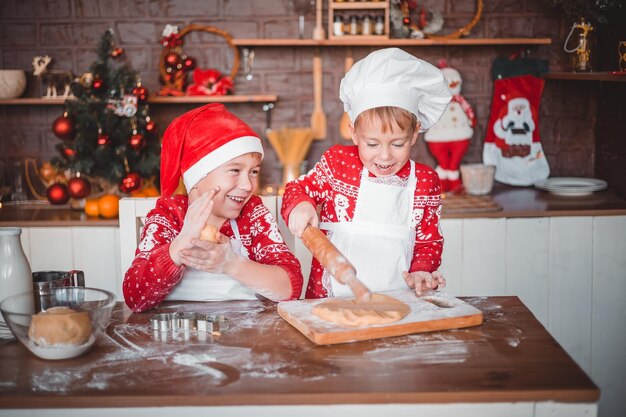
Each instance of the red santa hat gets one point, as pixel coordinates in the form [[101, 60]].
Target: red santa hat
[[201, 140]]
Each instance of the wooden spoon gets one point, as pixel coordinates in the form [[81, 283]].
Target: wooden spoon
[[318, 118], [344, 122]]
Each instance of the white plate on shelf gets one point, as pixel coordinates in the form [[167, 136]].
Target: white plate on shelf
[[571, 186]]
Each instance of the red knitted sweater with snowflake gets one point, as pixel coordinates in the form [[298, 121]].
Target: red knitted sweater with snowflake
[[339, 173], [153, 274]]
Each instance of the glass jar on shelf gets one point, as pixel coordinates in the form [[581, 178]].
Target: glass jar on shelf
[[354, 25], [338, 25], [379, 25], [366, 25]]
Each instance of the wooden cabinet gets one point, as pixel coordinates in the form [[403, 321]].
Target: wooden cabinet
[[570, 272]]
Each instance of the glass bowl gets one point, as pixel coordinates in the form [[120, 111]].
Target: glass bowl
[[68, 327]]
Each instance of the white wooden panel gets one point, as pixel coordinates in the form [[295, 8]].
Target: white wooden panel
[[96, 252], [528, 263], [608, 328], [296, 246], [484, 252], [452, 257], [570, 286], [51, 248], [551, 409]]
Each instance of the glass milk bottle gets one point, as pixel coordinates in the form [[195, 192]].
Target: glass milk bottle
[[15, 274]]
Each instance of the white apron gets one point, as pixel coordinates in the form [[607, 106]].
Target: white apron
[[379, 240], [198, 285]]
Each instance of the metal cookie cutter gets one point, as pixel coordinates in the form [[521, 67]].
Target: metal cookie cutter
[[206, 323]]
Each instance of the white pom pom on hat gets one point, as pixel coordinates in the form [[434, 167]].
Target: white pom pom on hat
[[393, 77]]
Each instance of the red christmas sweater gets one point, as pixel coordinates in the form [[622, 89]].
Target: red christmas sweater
[[339, 174], [153, 274]]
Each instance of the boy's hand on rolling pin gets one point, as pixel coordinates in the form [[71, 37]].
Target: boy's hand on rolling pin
[[423, 281], [195, 219], [301, 216]]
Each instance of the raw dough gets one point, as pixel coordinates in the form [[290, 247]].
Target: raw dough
[[60, 325], [210, 233], [381, 309]]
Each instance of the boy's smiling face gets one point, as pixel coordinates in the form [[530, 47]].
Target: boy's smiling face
[[383, 151], [237, 182]]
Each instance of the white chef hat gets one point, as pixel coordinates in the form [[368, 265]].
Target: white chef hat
[[392, 77]]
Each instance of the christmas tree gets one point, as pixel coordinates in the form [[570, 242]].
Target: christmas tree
[[106, 132]]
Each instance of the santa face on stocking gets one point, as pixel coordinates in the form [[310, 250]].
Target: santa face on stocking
[[512, 142]]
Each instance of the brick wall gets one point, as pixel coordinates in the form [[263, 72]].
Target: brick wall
[[69, 30]]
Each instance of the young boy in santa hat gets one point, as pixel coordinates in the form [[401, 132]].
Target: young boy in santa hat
[[378, 207], [218, 158]]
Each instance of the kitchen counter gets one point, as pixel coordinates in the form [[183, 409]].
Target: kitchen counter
[[509, 363], [511, 202]]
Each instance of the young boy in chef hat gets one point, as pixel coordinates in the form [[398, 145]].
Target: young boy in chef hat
[[379, 208], [217, 156]]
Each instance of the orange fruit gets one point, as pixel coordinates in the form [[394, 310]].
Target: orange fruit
[[91, 207], [138, 193], [150, 191], [108, 205]]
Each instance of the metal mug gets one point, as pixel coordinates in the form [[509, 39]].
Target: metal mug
[[44, 282]]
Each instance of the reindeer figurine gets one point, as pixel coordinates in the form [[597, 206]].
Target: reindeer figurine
[[52, 78]]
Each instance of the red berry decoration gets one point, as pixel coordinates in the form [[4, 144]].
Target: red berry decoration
[[189, 63], [69, 152], [151, 126], [97, 84], [64, 127], [140, 92], [172, 59], [136, 141], [131, 182], [103, 139], [79, 187], [57, 193], [117, 52]]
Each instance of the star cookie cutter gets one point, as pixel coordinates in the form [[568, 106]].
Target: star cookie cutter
[[208, 323]]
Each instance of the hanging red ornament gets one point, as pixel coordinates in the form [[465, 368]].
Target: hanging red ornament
[[64, 127], [117, 52], [172, 59], [136, 141], [151, 125], [189, 63], [140, 92], [57, 193], [130, 182], [79, 187], [69, 152], [97, 84], [103, 139]]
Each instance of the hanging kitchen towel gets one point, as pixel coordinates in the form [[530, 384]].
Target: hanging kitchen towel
[[512, 140]]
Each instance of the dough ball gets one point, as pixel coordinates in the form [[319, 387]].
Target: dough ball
[[210, 233], [381, 309], [60, 325]]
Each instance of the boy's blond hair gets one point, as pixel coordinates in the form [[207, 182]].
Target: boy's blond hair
[[388, 116]]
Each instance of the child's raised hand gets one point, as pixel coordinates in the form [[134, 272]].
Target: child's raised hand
[[301, 216], [195, 219], [423, 281]]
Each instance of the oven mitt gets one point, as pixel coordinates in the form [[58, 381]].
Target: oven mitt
[[512, 141]]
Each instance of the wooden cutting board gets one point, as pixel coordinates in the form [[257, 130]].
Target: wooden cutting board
[[432, 311]]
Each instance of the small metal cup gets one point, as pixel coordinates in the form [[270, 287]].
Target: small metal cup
[[44, 282]]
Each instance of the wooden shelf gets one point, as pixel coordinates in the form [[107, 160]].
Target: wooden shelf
[[355, 41], [268, 98], [585, 76]]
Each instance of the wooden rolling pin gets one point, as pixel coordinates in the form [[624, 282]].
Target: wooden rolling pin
[[334, 261]]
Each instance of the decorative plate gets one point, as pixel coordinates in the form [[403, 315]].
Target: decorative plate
[[571, 186]]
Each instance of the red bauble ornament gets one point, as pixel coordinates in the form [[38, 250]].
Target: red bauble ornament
[[97, 84], [69, 152], [172, 59], [57, 193], [64, 127], [131, 182], [140, 92], [189, 63], [79, 187], [136, 141], [103, 139], [117, 52], [151, 126]]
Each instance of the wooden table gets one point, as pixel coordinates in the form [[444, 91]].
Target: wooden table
[[509, 366]]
